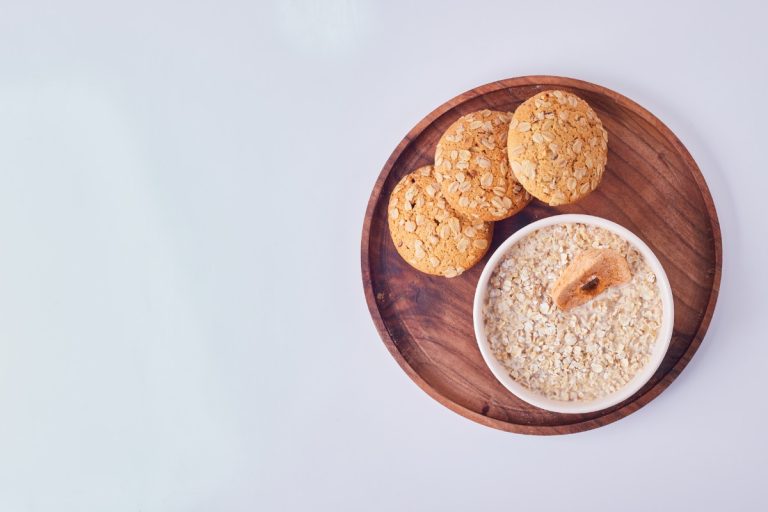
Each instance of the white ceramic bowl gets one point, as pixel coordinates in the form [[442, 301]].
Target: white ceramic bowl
[[579, 406]]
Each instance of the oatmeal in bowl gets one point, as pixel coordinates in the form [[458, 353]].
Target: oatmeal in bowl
[[573, 313]]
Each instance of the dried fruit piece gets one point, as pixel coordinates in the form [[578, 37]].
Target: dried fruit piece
[[588, 275]]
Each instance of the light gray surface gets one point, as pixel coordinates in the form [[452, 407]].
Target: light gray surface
[[182, 324]]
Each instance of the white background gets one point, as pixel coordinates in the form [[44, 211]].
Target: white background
[[182, 190]]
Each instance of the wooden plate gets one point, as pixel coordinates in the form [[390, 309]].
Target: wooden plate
[[651, 186]]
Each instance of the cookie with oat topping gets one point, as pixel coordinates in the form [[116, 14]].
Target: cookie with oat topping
[[428, 233], [472, 168], [557, 147]]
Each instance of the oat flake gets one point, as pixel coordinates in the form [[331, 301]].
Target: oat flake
[[588, 352]]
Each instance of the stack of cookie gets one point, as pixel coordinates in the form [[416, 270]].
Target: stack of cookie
[[488, 164]]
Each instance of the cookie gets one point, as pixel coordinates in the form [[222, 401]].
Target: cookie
[[472, 168], [428, 233], [557, 147]]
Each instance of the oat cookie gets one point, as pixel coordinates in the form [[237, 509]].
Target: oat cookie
[[428, 233], [473, 170], [557, 147]]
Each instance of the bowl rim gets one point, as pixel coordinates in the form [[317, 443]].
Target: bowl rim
[[661, 344]]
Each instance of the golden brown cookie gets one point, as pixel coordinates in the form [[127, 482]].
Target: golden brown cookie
[[557, 147], [472, 168], [428, 233]]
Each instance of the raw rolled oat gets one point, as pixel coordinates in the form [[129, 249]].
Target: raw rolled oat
[[586, 352]]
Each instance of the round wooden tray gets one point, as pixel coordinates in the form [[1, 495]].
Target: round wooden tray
[[651, 186]]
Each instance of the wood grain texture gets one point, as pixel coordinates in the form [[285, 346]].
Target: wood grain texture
[[651, 185]]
